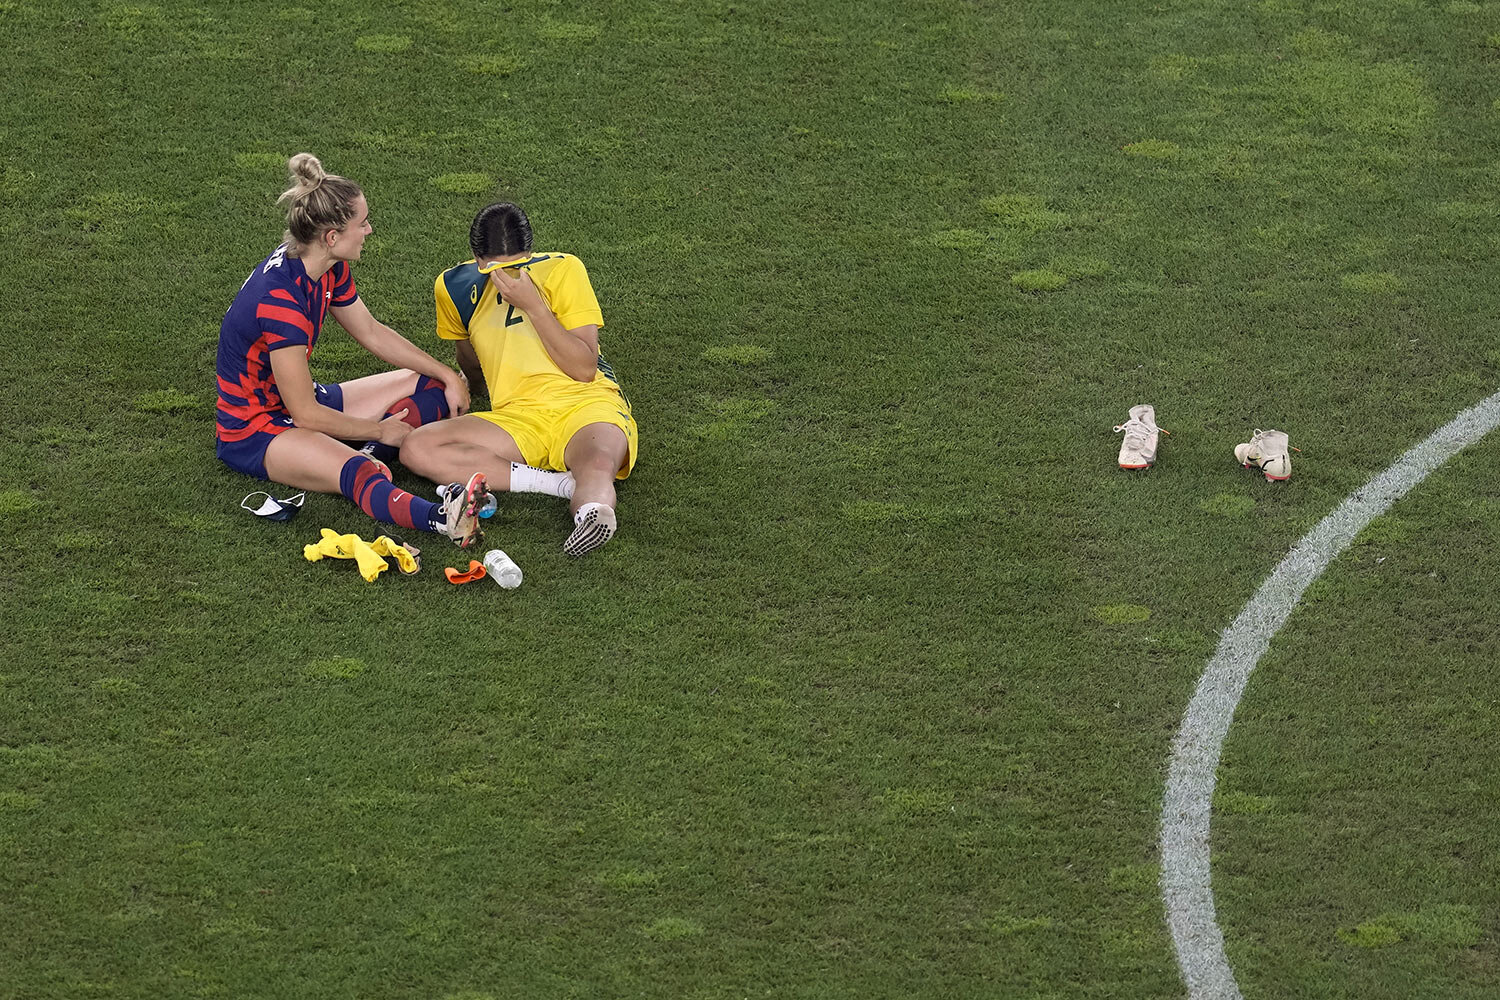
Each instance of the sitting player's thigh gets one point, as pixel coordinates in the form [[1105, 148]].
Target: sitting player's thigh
[[599, 433], [598, 445], [368, 398], [307, 460], [471, 430]]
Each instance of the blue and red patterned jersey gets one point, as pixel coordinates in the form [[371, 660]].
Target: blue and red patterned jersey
[[278, 306]]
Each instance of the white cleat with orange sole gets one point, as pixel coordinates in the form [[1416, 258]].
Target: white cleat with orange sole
[[1268, 451], [461, 505], [1138, 450]]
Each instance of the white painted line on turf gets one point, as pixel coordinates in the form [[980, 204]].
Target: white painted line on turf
[[1185, 876]]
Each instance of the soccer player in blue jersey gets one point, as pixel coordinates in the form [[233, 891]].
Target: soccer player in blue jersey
[[274, 422]]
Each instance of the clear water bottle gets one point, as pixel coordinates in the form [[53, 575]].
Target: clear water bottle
[[489, 506], [503, 568]]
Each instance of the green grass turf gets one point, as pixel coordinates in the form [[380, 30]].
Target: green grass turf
[[1356, 851], [873, 693]]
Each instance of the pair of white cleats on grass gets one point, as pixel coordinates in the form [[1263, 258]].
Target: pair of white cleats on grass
[[1268, 451], [593, 523]]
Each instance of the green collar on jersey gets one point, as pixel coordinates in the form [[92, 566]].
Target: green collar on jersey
[[524, 262]]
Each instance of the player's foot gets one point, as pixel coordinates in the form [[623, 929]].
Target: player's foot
[[1267, 451], [594, 524], [461, 503], [1138, 450], [488, 503]]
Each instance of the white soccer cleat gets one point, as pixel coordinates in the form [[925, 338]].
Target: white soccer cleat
[[594, 524], [1138, 450], [461, 503], [1268, 451]]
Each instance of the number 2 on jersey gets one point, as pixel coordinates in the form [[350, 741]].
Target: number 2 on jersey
[[511, 316]]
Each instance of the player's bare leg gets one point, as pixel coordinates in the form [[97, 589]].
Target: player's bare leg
[[307, 460], [370, 397], [451, 450], [310, 460], [594, 455]]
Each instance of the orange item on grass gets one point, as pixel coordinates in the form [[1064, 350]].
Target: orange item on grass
[[474, 572]]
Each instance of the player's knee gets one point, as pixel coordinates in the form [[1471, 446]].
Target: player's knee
[[596, 458], [419, 445], [600, 448]]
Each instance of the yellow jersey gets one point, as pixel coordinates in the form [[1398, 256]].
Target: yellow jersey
[[516, 364]]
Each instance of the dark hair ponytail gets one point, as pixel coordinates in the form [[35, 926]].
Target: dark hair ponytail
[[500, 230]]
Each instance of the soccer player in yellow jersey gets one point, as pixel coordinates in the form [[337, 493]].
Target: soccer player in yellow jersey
[[527, 324]]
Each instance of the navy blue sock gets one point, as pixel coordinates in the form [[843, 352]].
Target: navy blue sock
[[362, 482], [426, 404]]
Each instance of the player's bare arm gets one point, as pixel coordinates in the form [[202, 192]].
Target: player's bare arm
[[575, 351], [468, 363], [295, 383], [389, 346]]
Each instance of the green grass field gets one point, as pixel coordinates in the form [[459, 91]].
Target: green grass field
[[874, 692]]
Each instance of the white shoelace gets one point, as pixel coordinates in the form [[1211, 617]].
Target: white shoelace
[[1257, 445], [1136, 432]]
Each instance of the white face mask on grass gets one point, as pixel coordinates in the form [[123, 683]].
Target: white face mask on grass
[[272, 508]]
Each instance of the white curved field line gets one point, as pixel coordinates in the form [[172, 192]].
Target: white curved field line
[[1185, 886]]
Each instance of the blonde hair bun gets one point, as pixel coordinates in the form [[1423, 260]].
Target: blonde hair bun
[[306, 172], [317, 200]]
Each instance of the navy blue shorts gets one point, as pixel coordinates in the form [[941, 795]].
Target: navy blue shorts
[[249, 454]]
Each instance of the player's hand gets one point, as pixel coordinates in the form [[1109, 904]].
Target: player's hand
[[456, 391], [519, 291], [393, 429]]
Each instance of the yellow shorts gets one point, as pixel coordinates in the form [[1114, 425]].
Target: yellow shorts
[[542, 430]]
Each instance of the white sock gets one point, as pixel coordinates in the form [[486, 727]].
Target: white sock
[[530, 479], [582, 512]]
